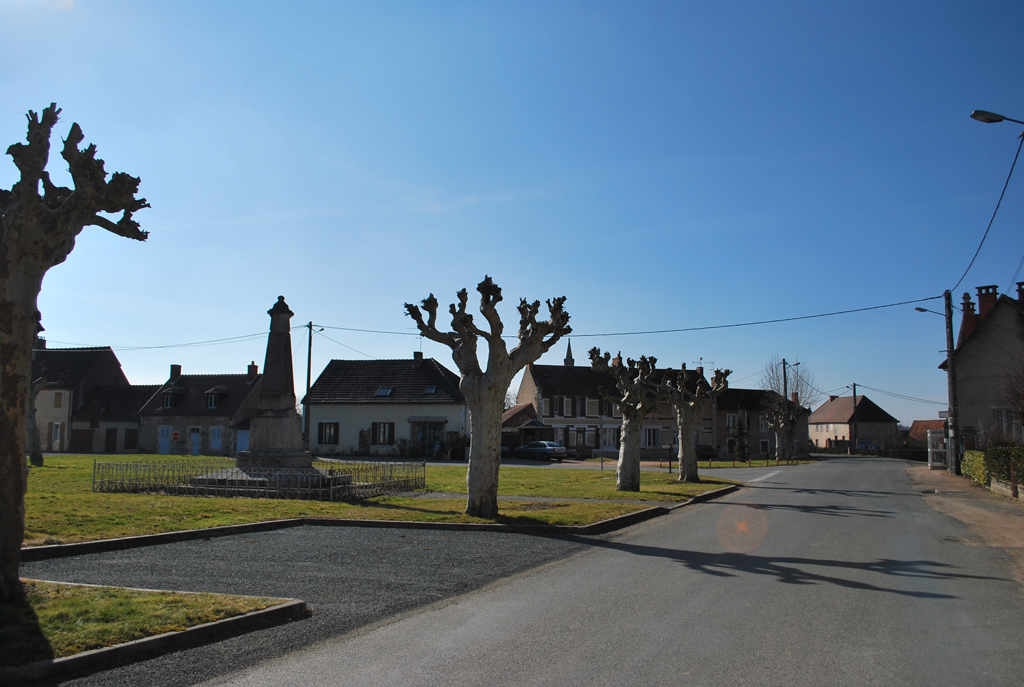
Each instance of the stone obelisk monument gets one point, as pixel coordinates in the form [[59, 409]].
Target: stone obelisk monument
[[275, 430]]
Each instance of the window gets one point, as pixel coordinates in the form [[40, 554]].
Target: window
[[382, 433], [652, 438], [385, 391], [558, 406], [168, 400], [430, 389], [730, 422], [131, 439], [211, 401], [56, 434], [547, 411], [327, 433], [592, 407], [58, 399], [763, 423], [764, 447]]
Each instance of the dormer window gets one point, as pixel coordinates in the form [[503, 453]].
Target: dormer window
[[430, 389], [168, 400], [211, 400], [385, 391]]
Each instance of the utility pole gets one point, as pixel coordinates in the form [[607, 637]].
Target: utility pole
[[953, 443], [785, 414], [853, 434], [309, 365]]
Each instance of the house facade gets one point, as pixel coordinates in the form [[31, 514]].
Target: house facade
[[746, 411], [989, 354], [66, 377], [832, 424], [567, 401], [399, 408], [107, 421], [200, 414]]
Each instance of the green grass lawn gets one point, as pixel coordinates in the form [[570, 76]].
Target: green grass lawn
[[61, 620], [62, 508]]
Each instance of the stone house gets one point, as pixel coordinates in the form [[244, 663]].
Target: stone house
[[205, 414], [567, 400], [107, 421], [751, 407], [66, 377], [833, 422], [400, 408], [989, 355]]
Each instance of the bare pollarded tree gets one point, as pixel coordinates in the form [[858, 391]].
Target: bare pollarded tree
[[639, 394], [794, 388], [37, 231], [485, 389], [689, 394]]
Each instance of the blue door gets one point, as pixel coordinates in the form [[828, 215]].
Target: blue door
[[195, 440], [243, 440], [164, 436]]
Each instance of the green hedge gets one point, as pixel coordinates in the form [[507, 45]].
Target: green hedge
[[973, 465], [998, 459]]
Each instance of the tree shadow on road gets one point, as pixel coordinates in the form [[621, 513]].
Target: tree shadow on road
[[837, 511], [797, 570]]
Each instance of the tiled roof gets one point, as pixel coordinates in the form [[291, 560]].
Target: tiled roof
[[115, 403], [362, 381], [518, 415], [190, 395], [839, 410], [65, 367], [747, 399], [919, 428]]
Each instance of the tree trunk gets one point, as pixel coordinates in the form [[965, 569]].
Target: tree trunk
[[687, 450], [627, 472], [34, 446], [484, 457], [18, 319], [780, 445]]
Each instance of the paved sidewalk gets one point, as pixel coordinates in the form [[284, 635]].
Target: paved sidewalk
[[994, 521]]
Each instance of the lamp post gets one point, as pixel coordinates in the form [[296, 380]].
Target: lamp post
[[953, 443], [991, 117]]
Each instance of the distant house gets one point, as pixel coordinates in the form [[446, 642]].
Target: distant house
[[750, 409], [200, 414], [569, 408], [918, 435], [107, 421], [386, 408], [68, 376], [833, 422], [989, 352]]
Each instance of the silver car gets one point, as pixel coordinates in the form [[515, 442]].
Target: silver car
[[541, 449]]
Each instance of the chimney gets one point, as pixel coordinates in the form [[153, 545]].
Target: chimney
[[795, 396], [417, 358], [175, 372], [832, 398], [253, 370], [617, 360], [1020, 292], [968, 320], [40, 344], [987, 296]]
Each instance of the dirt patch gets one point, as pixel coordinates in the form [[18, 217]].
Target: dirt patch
[[993, 520]]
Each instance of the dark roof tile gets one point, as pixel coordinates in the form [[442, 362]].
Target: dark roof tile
[[358, 381]]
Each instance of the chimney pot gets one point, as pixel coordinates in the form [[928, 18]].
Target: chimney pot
[[1020, 291], [617, 360], [987, 296], [417, 358], [175, 372], [795, 396], [253, 369]]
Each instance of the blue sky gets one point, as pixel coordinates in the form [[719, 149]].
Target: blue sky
[[662, 165]]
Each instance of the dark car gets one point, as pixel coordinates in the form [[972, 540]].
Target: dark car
[[541, 449], [705, 452]]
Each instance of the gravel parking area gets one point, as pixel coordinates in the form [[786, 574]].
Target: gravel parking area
[[351, 577]]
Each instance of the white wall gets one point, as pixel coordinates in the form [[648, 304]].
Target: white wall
[[353, 417]]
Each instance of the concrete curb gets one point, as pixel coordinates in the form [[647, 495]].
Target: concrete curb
[[109, 657], [39, 553]]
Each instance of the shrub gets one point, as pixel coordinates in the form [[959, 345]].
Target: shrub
[[973, 465], [998, 459]]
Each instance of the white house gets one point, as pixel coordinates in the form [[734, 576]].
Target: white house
[[401, 408]]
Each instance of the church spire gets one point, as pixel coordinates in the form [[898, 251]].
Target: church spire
[[569, 362]]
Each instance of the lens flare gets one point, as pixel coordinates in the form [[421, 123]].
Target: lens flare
[[742, 528]]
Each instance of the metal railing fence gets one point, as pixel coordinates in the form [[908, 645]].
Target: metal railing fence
[[328, 480]]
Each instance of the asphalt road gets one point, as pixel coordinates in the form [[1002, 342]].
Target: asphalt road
[[836, 573]]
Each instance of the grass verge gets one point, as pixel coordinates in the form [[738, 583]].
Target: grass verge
[[62, 508], [60, 620]]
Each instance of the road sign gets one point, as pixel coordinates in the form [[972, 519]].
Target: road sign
[[175, 436]]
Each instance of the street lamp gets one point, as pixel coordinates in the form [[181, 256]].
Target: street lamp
[[953, 443], [991, 117]]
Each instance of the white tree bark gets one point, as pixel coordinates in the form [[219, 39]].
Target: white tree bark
[[639, 395], [485, 390], [688, 403]]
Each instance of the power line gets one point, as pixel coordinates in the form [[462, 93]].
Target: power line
[[346, 346], [210, 342], [993, 219], [901, 396], [367, 331]]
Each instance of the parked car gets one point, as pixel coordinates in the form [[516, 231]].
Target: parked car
[[541, 449]]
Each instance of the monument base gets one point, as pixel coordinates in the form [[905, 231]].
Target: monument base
[[274, 459]]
